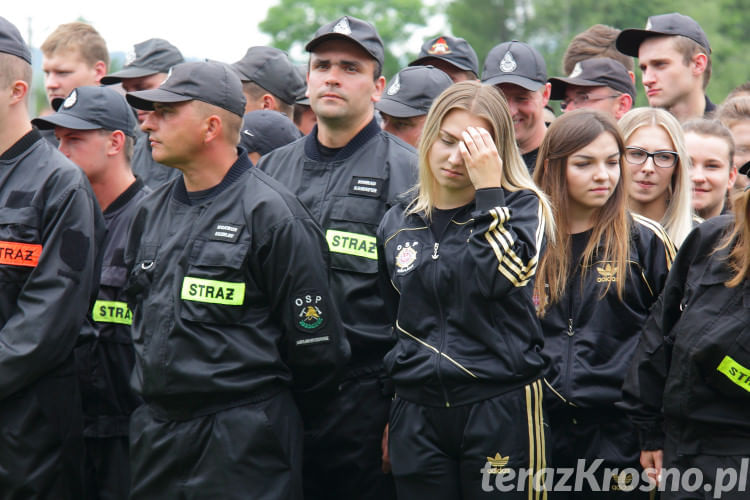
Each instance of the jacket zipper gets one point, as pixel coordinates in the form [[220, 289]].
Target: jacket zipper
[[438, 358]]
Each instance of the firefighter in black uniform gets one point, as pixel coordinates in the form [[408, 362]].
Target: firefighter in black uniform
[[688, 388], [50, 228], [348, 172], [458, 263], [232, 320], [95, 127]]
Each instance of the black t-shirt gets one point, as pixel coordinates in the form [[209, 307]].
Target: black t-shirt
[[530, 159], [441, 219]]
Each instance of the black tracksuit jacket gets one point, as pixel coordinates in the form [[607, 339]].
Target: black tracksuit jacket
[[690, 375], [230, 298], [589, 339], [465, 322]]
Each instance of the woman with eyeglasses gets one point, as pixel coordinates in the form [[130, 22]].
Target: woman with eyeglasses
[[594, 289], [659, 167], [688, 388]]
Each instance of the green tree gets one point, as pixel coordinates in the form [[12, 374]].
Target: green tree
[[292, 23]]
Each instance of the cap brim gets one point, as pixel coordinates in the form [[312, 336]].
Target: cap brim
[[745, 169], [521, 81], [64, 120], [628, 41], [397, 109], [304, 101], [336, 36], [131, 72], [422, 60], [145, 99], [559, 85]]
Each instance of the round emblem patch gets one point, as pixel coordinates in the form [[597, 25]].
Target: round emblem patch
[[395, 86], [406, 257], [309, 310], [577, 70]]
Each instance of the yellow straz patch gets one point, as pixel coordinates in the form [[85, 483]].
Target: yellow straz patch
[[735, 372], [359, 245], [112, 311], [213, 292]]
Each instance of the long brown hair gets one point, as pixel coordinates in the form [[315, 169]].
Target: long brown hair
[[739, 239], [568, 134]]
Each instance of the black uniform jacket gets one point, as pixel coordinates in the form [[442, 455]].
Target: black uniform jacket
[[50, 229], [590, 336], [105, 352], [229, 296], [465, 322], [690, 376], [348, 196]]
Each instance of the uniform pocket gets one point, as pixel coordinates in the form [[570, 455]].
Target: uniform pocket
[[351, 234], [213, 289]]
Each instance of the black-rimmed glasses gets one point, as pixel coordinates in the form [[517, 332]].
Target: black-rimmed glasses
[[662, 159]]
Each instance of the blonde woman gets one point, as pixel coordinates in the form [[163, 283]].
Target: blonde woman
[[659, 165], [459, 261]]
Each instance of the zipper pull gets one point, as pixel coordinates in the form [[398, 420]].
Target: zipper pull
[[570, 327], [435, 250]]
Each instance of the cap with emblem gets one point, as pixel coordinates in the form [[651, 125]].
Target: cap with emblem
[[150, 57], [517, 63], [628, 41], [412, 91], [595, 72], [455, 51], [211, 82], [91, 108], [264, 130], [11, 41], [271, 68], [350, 28]]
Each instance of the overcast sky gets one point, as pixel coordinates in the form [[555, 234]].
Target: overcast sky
[[214, 29]]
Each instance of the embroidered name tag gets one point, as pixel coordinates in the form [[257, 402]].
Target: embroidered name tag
[[366, 186], [213, 292], [112, 311], [13, 253], [225, 231], [360, 245]]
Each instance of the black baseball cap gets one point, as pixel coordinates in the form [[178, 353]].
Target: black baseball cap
[[455, 51], [595, 72], [264, 130], [11, 41], [91, 108], [628, 41], [212, 82], [271, 68], [745, 169], [350, 28], [517, 63], [412, 91], [152, 56]]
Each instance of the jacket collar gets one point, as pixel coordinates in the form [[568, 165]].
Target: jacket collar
[[368, 132]]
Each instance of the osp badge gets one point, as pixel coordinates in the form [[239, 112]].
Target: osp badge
[[309, 310], [577, 70], [439, 47], [343, 27], [71, 100], [406, 257]]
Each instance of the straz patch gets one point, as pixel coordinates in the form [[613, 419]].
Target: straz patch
[[13, 253], [366, 186], [359, 245], [310, 312], [738, 374], [406, 257], [224, 231], [112, 311], [213, 292]]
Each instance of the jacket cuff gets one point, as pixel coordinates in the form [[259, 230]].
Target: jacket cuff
[[489, 198], [651, 438]]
